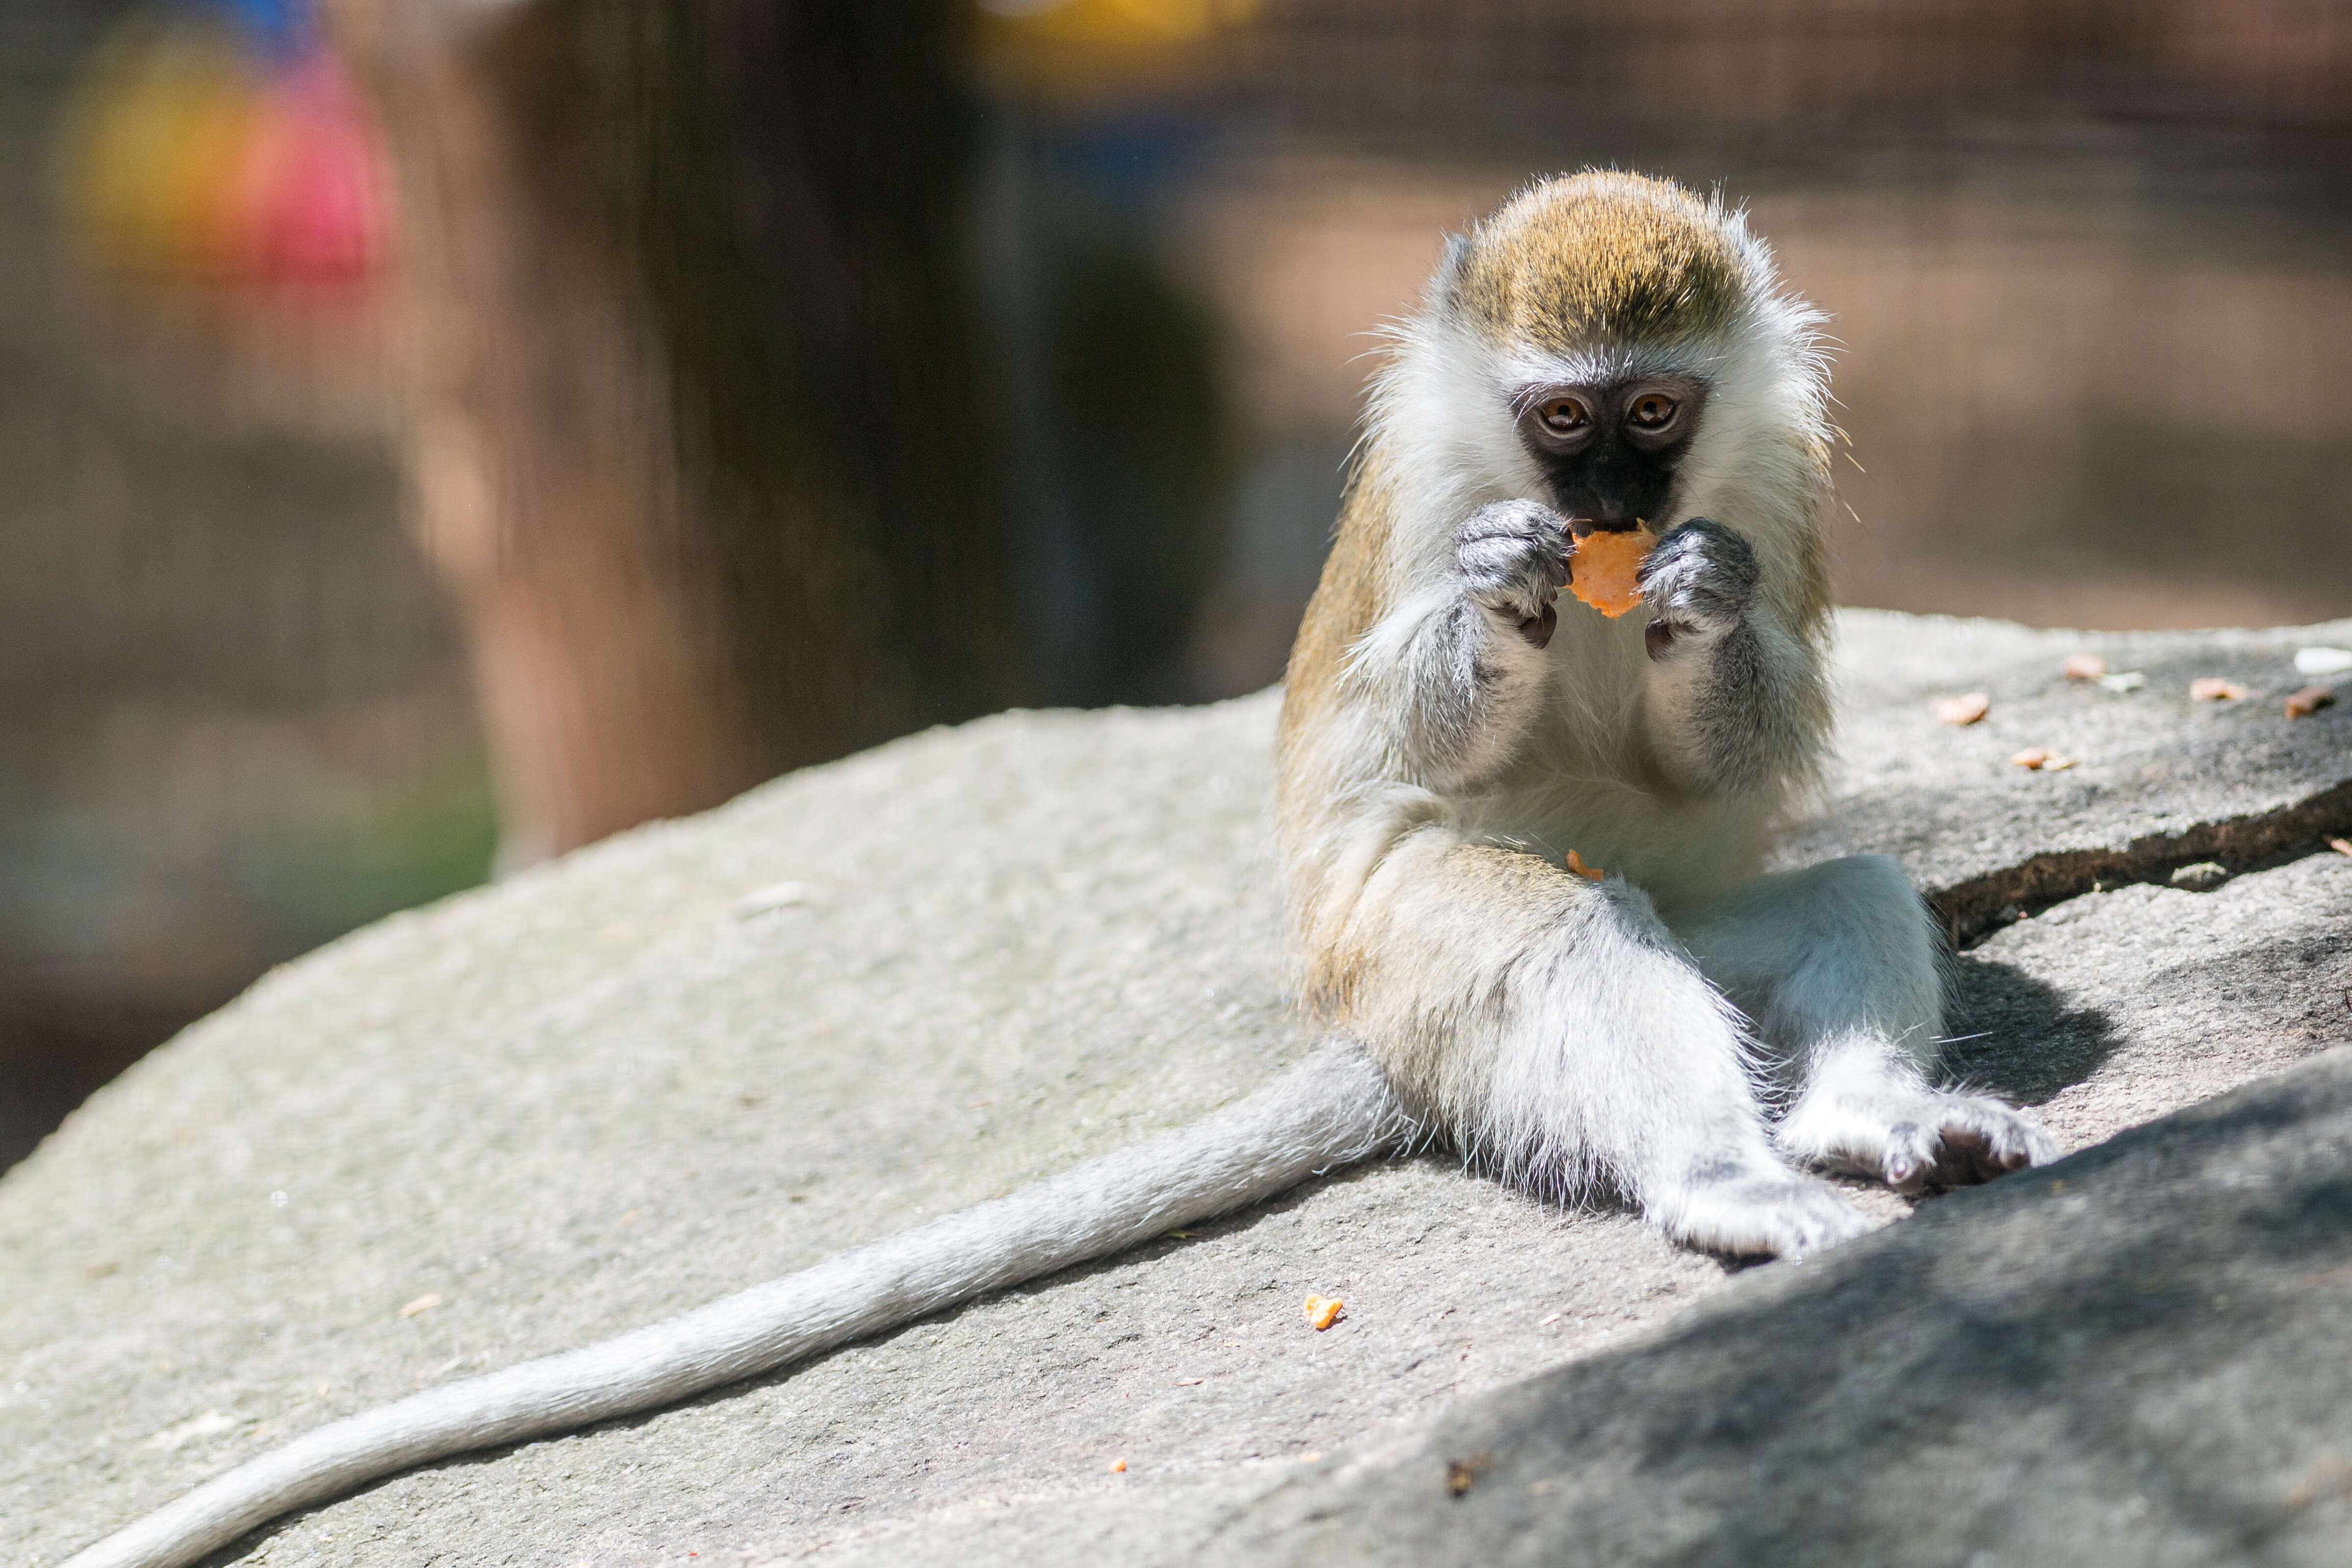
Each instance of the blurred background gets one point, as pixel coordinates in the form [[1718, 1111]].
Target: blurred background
[[435, 433]]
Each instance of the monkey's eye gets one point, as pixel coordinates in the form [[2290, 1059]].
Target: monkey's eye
[[1563, 415], [1651, 411]]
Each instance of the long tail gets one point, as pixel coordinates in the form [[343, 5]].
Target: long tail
[[1332, 1110]]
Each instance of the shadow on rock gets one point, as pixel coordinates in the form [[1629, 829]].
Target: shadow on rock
[[2130, 1356], [2016, 1036]]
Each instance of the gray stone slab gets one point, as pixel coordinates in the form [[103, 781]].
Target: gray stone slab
[[2136, 1356], [2116, 1008], [2113, 1010], [2160, 779], [596, 1094]]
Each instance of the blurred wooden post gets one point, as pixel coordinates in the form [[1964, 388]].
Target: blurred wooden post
[[693, 433]]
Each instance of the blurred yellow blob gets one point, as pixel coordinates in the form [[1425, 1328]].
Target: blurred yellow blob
[[157, 134], [1121, 21], [1082, 49]]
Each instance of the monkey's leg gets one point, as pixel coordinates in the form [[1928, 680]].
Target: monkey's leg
[[1837, 965], [1566, 1040]]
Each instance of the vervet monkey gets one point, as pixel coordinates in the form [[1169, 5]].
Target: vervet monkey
[[1606, 350], [1609, 349]]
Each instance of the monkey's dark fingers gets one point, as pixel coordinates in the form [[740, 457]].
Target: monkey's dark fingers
[[1517, 520], [1513, 557], [1701, 577], [1333, 1109], [1508, 563]]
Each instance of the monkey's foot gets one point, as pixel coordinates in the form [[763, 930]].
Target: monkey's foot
[[1915, 1139], [1759, 1208]]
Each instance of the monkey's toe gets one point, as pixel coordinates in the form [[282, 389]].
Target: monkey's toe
[[1960, 1141], [1916, 1141], [1760, 1210]]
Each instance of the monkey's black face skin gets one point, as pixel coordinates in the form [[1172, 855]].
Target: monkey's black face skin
[[1610, 452]]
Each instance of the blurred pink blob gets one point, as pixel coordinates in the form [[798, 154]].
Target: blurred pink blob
[[309, 205]]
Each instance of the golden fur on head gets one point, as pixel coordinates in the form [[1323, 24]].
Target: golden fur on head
[[1602, 257]]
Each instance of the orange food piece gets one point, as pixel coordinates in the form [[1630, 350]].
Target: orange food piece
[[1606, 571], [2031, 757], [1118, 1467], [1322, 1311], [2085, 666], [1588, 873], [2309, 700], [1965, 710], [2213, 689]]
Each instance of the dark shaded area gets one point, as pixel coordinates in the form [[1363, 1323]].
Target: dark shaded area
[[1945, 78], [2135, 477], [788, 185], [2128, 1357], [1123, 459], [2015, 1036], [56, 1048]]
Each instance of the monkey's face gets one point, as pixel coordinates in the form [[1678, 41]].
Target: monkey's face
[[1609, 450]]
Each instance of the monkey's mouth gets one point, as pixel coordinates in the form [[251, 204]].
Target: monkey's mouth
[[1584, 527]]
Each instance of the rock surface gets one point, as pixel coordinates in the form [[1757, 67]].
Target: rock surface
[[2158, 778], [2134, 1358], [615, 1088]]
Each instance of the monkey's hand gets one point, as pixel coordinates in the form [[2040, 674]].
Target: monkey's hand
[[1700, 580], [1513, 557], [1456, 671], [1732, 701]]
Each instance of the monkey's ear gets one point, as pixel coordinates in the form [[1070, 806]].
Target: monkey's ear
[[1446, 281]]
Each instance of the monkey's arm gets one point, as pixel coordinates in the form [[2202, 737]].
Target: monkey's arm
[[1455, 671], [1733, 701], [1333, 1109]]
